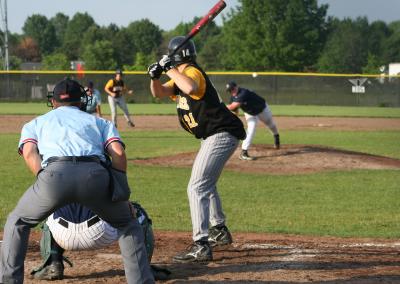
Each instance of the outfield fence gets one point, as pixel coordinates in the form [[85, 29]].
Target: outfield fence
[[275, 87]]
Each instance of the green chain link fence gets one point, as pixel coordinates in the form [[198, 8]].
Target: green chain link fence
[[276, 88]]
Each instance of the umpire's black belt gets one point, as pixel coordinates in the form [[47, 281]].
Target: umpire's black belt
[[74, 159]]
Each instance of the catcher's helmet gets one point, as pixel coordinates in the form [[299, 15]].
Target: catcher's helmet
[[186, 53], [118, 71]]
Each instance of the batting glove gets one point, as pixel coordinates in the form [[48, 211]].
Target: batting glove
[[166, 63], [155, 70]]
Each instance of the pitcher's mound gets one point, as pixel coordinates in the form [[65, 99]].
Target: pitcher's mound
[[290, 159]]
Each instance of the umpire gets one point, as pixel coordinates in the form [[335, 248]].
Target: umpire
[[64, 148]]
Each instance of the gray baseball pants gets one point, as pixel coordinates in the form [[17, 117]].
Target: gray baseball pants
[[61, 183], [252, 120], [120, 101], [204, 201]]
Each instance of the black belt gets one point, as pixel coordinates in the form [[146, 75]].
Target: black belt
[[74, 159], [90, 222]]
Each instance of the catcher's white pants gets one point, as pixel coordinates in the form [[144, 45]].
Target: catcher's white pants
[[204, 201], [81, 236], [252, 120], [120, 101]]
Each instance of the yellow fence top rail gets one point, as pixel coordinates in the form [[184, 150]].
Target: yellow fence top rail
[[254, 74]]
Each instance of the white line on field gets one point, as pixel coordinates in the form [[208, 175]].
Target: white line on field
[[378, 245], [290, 247], [265, 246]]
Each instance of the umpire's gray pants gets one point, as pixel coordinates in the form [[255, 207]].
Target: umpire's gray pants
[[59, 184], [204, 201]]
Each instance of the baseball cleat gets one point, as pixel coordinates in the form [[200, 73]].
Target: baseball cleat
[[219, 236], [131, 124], [245, 156], [277, 142], [54, 271], [197, 252]]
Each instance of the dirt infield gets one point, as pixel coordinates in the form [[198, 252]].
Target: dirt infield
[[290, 159], [14, 123], [255, 258]]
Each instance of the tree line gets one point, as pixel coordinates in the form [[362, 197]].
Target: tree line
[[274, 35]]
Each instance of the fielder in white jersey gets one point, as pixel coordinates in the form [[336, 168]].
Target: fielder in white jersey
[[255, 108]]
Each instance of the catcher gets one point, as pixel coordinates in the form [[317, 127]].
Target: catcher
[[75, 227]]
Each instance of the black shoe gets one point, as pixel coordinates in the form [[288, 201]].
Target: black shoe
[[219, 236], [277, 142], [245, 156], [53, 271], [197, 252], [131, 124]]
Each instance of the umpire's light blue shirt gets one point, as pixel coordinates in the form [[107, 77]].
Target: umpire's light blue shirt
[[68, 131]]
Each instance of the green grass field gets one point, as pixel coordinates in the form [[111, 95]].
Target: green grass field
[[359, 203], [168, 109]]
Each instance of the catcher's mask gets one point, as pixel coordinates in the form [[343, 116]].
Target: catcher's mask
[[69, 90]]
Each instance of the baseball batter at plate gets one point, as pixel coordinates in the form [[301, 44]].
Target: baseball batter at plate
[[255, 108], [201, 113], [64, 149]]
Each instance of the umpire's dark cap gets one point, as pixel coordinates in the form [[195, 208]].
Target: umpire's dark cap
[[68, 90], [230, 86]]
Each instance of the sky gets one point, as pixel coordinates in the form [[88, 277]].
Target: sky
[[167, 14]]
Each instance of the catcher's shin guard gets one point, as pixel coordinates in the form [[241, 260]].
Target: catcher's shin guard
[[146, 224]]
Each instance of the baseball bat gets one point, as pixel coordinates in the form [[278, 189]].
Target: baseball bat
[[204, 21]]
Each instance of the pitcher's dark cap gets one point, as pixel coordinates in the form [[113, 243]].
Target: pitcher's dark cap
[[230, 86], [68, 90]]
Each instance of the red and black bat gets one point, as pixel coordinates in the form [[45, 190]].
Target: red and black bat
[[204, 21]]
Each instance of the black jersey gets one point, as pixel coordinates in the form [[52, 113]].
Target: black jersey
[[116, 87], [206, 115], [250, 102]]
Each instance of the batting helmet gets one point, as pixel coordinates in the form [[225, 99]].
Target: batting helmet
[[186, 53]]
